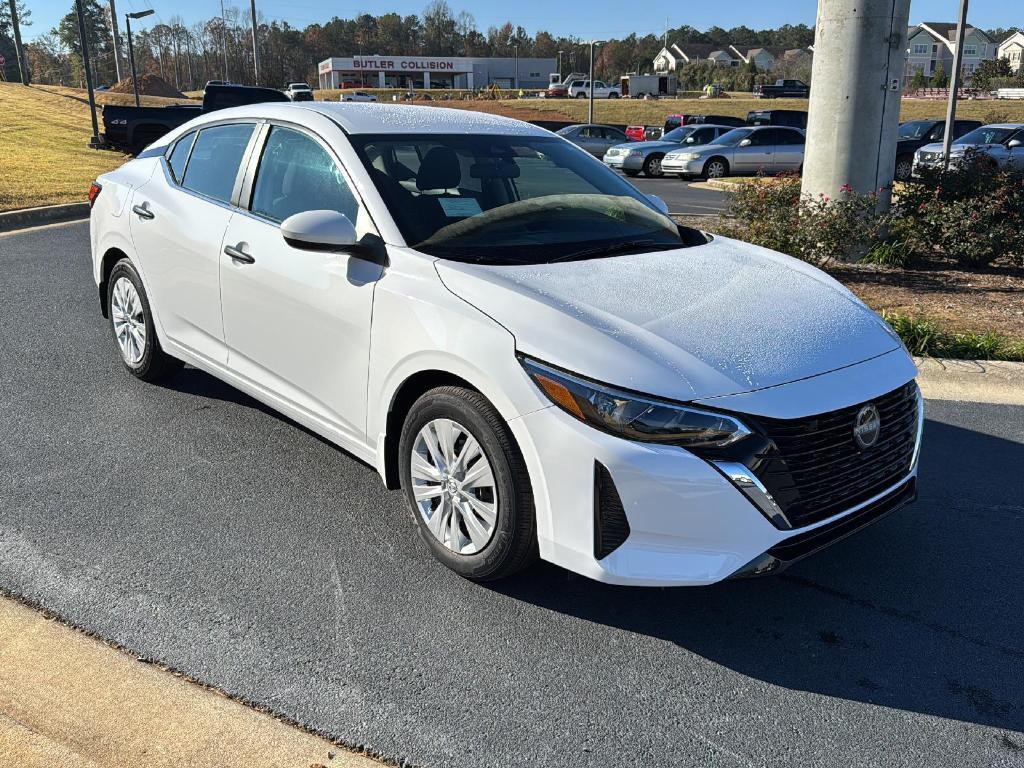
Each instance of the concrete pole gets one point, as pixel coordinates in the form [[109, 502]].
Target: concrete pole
[[18, 50], [954, 83], [859, 53], [590, 100], [255, 49], [115, 35]]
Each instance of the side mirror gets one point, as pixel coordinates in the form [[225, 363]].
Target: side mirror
[[689, 139], [658, 203], [746, 143], [332, 232], [1015, 143]]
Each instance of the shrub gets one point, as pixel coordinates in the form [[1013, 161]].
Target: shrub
[[889, 253], [924, 338]]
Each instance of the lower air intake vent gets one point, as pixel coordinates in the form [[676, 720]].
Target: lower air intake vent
[[611, 527]]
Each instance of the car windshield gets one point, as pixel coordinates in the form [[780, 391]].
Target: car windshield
[[733, 137], [678, 135], [511, 199], [915, 129], [987, 134]]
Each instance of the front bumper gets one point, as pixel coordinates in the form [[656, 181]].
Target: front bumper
[[688, 524], [624, 162], [674, 166]]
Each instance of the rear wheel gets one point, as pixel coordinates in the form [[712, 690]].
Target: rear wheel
[[466, 485], [904, 167], [613, 95], [131, 322], [716, 168], [652, 166], [581, 95]]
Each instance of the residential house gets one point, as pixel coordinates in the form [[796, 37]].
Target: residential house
[[763, 58], [931, 43], [674, 56], [1012, 49]]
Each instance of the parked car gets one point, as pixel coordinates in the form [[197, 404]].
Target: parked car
[[915, 134], [132, 129], [542, 360], [998, 146], [299, 92], [674, 121], [740, 152], [791, 118], [358, 96], [580, 89], [636, 157], [783, 89], [596, 139], [636, 132]]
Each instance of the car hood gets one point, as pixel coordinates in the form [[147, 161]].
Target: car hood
[[688, 324], [955, 149], [702, 148], [649, 145]]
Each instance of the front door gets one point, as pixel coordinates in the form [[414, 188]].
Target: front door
[[756, 156], [297, 322], [178, 220]]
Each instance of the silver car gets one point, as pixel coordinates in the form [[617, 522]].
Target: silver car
[[999, 146], [636, 156], [596, 139], [740, 152]]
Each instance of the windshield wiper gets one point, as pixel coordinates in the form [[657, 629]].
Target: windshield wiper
[[615, 248]]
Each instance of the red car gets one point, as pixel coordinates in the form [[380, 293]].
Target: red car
[[636, 132], [558, 91]]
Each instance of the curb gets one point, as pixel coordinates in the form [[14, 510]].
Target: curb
[[978, 381], [47, 214]]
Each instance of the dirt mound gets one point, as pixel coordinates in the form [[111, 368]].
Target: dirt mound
[[149, 85]]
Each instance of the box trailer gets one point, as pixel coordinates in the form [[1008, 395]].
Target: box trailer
[[638, 86]]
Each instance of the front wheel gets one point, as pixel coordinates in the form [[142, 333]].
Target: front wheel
[[581, 95], [716, 168], [466, 485], [904, 167], [131, 321], [652, 166], [630, 173]]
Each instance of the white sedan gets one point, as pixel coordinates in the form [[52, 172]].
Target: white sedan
[[358, 96], [510, 332]]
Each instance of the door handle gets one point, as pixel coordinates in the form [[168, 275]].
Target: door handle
[[239, 255], [143, 212]]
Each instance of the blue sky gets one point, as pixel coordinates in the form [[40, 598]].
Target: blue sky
[[592, 18]]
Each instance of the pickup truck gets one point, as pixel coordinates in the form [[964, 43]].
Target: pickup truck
[[132, 129], [580, 89], [299, 92], [783, 89]]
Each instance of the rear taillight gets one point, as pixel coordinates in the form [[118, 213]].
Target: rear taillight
[[94, 192]]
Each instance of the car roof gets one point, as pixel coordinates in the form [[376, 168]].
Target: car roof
[[370, 117]]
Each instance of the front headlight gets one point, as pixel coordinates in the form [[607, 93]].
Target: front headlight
[[634, 153], [633, 416], [688, 155]]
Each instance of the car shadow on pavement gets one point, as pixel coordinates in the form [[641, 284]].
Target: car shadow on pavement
[[920, 612]]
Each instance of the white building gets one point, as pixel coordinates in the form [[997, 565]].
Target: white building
[[1012, 49], [467, 72]]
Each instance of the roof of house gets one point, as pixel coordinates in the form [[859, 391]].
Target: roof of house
[[695, 50], [947, 29]]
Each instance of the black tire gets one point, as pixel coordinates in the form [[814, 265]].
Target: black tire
[[581, 95], [708, 171], [630, 173], [154, 364], [652, 166], [613, 95], [904, 167], [513, 544]]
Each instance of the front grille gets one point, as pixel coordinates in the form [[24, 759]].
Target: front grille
[[814, 469]]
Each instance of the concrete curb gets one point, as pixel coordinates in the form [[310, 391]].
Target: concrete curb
[[47, 214], [976, 381]]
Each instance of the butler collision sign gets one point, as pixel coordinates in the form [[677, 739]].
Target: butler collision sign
[[434, 71]]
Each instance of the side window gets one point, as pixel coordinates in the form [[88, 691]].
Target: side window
[[215, 158], [296, 174], [763, 138], [179, 156]]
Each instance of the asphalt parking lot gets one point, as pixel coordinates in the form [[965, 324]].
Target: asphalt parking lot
[[682, 196], [195, 527]]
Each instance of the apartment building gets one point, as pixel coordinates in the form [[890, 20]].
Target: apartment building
[[931, 43]]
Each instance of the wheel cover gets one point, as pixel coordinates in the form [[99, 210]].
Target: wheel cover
[[716, 170], [453, 486], [129, 321], [903, 169], [654, 166]]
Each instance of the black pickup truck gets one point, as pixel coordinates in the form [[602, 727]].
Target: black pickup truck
[[783, 89], [916, 133], [131, 129]]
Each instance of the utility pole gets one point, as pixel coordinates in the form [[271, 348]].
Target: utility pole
[[255, 51], [954, 83], [115, 35], [224, 39], [590, 101], [560, 66], [18, 50], [94, 141], [859, 53]]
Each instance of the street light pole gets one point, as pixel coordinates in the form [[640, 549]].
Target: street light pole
[[116, 36], [131, 50], [954, 83], [94, 142], [590, 105], [255, 52], [18, 51], [560, 66]]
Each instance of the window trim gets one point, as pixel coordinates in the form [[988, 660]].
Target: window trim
[[248, 180], [229, 204], [174, 145]]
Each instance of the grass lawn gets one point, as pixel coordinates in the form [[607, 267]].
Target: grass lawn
[[44, 144]]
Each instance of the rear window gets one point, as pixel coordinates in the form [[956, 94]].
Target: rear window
[[213, 164]]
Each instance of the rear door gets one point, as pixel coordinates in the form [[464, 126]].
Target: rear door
[[297, 322], [789, 150], [178, 219]]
